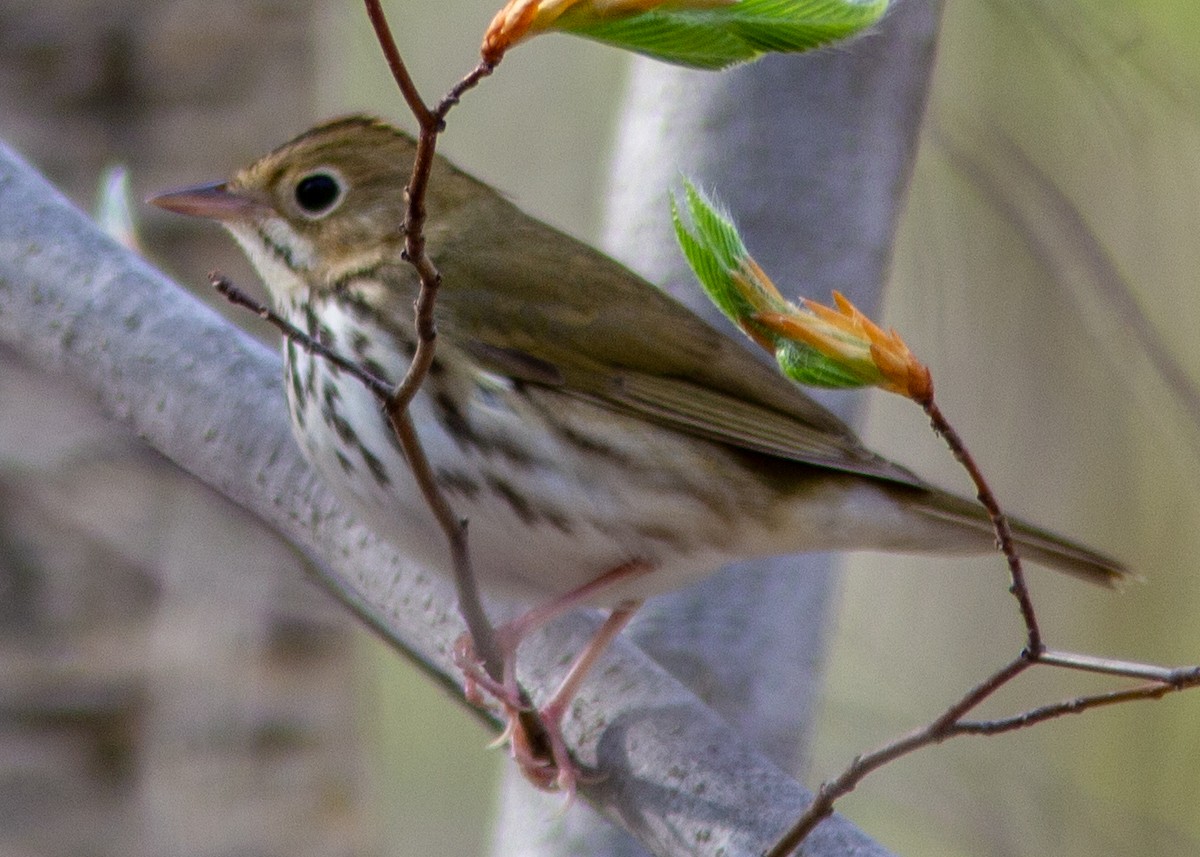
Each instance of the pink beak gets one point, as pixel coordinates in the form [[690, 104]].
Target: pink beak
[[214, 201]]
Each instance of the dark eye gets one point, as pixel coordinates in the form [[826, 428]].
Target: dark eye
[[318, 193]]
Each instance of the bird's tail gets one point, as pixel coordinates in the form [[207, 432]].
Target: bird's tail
[[1036, 544]]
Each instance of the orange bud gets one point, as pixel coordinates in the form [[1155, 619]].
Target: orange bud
[[520, 19], [880, 358]]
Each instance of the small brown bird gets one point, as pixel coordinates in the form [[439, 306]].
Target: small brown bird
[[605, 443]]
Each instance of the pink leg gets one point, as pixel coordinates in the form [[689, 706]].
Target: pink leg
[[551, 714], [559, 771], [510, 635]]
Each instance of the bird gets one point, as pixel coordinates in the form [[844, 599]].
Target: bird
[[604, 442]]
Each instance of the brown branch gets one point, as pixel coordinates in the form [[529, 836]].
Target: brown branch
[[1188, 677], [1110, 666], [976, 695], [383, 34], [1004, 538], [431, 123], [935, 732], [396, 400], [460, 89], [950, 724]]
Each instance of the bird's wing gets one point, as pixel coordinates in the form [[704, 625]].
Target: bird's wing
[[561, 314], [694, 408]]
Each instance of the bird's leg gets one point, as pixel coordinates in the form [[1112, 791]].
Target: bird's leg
[[562, 773], [510, 635], [558, 770]]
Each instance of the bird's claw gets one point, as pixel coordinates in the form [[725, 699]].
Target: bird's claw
[[477, 680], [544, 760], [556, 773]]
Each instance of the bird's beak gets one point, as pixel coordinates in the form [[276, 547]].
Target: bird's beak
[[215, 201]]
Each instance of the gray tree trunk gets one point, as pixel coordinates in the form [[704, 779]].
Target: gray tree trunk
[[812, 155], [153, 676]]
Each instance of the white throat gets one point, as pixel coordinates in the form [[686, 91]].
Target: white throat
[[266, 247]]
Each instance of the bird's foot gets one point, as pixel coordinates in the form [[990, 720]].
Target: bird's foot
[[542, 755], [534, 736], [477, 680]]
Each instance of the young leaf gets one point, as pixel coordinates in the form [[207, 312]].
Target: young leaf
[[709, 34], [816, 345]]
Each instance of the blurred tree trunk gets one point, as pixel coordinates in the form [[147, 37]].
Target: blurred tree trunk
[[819, 213], [169, 681]]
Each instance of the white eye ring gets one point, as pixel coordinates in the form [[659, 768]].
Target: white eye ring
[[318, 192]]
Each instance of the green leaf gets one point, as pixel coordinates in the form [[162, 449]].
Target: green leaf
[[713, 248], [714, 252], [806, 365], [720, 36]]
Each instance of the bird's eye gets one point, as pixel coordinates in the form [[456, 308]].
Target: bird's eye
[[318, 193]]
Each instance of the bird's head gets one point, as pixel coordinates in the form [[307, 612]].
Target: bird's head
[[325, 205]]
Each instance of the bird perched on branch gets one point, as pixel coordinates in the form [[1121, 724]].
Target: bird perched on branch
[[604, 442]]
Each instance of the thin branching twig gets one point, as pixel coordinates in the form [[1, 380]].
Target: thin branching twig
[[951, 723], [430, 123], [934, 732], [1004, 538], [396, 399]]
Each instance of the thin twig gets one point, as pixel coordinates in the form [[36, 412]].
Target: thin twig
[[383, 34], [1110, 666], [460, 89], [976, 695], [397, 399], [935, 732], [236, 296], [431, 123], [947, 724], [396, 402], [950, 724], [1078, 705], [1019, 589]]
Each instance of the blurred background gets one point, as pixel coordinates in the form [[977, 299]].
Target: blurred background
[[171, 682]]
